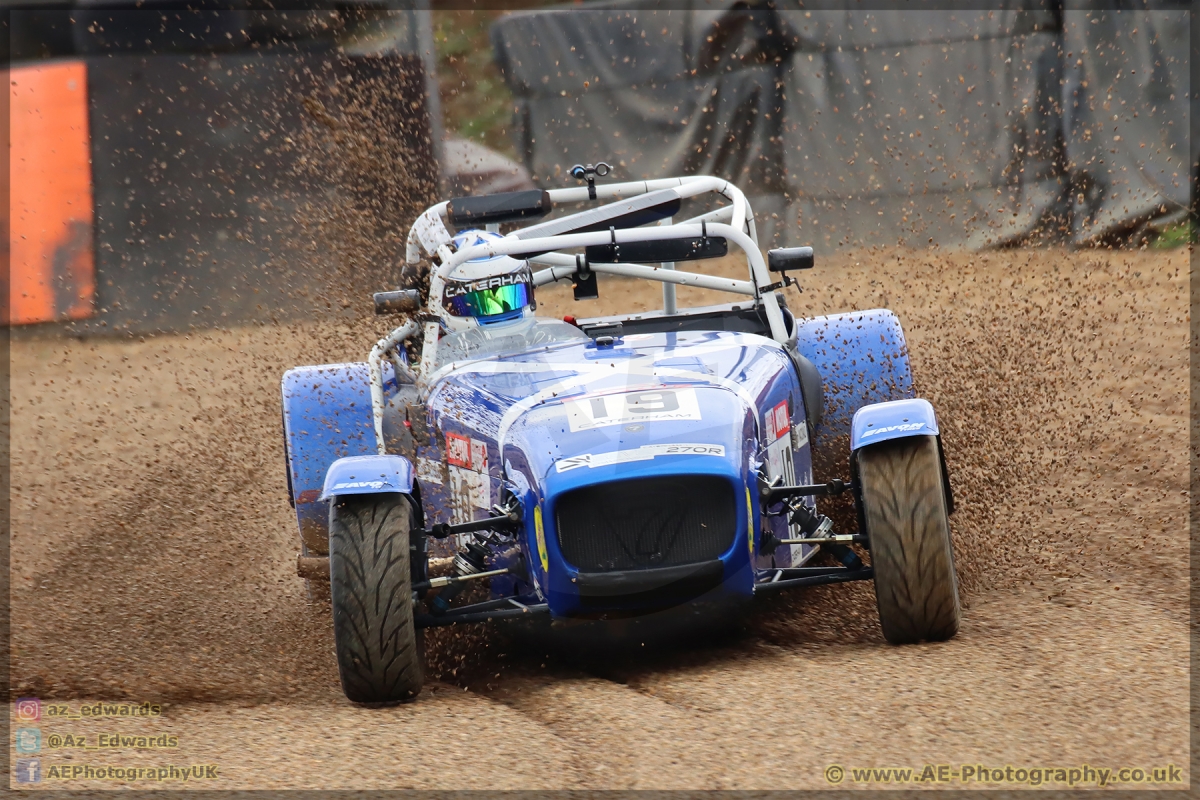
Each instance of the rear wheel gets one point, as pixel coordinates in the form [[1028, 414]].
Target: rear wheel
[[378, 647], [908, 526]]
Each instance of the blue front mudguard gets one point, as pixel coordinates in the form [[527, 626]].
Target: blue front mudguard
[[326, 417], [899, 419], [896, 419], [368, 475]]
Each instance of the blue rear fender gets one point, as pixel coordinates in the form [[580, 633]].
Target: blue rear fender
[[326, 417], [862, 359]]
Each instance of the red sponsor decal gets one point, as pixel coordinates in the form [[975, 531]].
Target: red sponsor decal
[[781, 420], [776, 422], [458, 450], [462, 451]]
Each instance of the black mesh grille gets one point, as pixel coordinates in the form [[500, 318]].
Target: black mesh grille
[[647, 523]]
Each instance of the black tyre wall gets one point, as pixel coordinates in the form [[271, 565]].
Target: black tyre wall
[[378, 647], [907, 522]]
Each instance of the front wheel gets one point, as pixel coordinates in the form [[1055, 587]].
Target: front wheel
[[908, 526], [378, 647]]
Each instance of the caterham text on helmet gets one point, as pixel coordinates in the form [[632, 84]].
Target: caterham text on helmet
[[486, 289]]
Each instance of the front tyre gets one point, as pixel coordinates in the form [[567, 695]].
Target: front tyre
[[904, 509], [378, 647]]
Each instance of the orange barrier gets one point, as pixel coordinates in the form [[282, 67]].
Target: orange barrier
[[52, 260]]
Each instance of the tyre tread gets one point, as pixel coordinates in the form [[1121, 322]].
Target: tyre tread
[[904, 501], [378, 647]]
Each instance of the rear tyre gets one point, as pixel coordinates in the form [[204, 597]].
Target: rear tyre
[[378, 647], [904, 509]]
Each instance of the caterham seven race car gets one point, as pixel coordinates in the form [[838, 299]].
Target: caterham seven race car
[[612, 466]]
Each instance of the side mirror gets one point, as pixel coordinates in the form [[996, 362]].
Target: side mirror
[[784, 259], [397, 302]]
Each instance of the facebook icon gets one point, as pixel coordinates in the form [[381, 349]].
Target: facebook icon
[[29, 770]]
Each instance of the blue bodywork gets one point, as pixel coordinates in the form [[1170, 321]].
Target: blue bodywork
[[862, 358], [539, 424], [897, 419], [368, 475]]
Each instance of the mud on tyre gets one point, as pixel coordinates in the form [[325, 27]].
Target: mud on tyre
[[907, 521], [379, 651]]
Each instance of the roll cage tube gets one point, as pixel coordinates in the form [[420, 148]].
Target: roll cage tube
[[386, 347], [515, 247], [663, 274], [541, 250], [508, 246], [696, 184]]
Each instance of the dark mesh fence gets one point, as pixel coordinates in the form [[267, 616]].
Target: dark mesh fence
[[971, 128]]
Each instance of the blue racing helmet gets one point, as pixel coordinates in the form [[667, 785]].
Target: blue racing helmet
[[489, 289]]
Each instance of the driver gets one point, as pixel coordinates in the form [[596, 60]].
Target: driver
[[489, 307], [487, 290]]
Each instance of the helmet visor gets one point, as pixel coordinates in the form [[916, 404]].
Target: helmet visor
[[490, 302]]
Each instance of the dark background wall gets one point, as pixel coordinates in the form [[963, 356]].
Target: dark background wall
[[255, 165], [977, 128], [246, 165]]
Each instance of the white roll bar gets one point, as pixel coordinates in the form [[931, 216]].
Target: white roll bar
[[508, 246], [734, 222], [383, 348], [690, 186], [673, 277]]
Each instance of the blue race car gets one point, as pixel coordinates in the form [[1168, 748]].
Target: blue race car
[[613, 466]]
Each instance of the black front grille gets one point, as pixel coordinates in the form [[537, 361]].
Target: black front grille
[[647, 523]]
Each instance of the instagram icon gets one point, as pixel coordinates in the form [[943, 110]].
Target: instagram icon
[[29, 709]]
